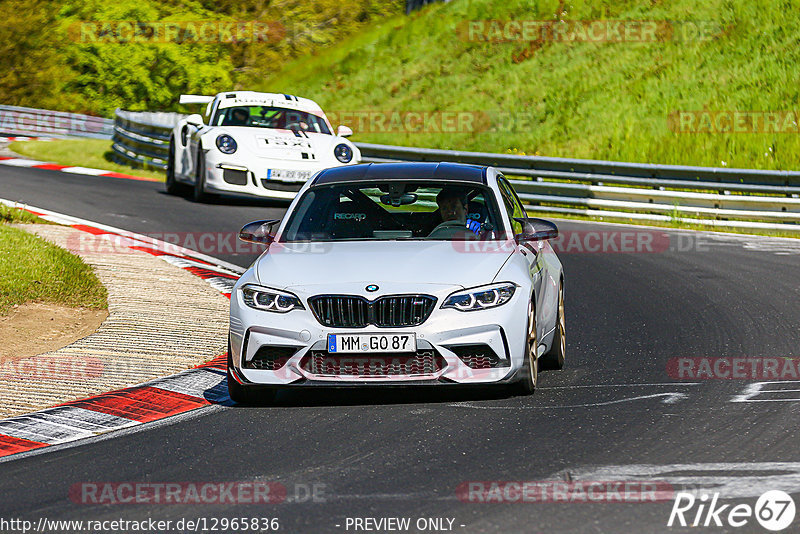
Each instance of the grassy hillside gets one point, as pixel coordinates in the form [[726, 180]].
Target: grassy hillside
[[606, 100], [83, 55]]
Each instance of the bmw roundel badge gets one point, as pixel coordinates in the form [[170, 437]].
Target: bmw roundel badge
[[372, 288]]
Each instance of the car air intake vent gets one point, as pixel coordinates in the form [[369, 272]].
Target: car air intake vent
[[391, 311], [479, 356], [423, 362], [234, 177], [270, 358], [275, 185]]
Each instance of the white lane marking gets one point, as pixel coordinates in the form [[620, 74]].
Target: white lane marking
[[760, 388], [622, 385], [669, 398], [19, 162], [84, 170], [738, 480], [782, 246]]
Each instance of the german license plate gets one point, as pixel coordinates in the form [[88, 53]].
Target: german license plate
[[288, 174], [348, 343]]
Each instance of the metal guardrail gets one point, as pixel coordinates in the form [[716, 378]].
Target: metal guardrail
[[32, 122], [720, 196], [141, 139], [706, 195]]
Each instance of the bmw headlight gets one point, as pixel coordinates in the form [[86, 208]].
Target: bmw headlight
[[226, 144], [481, 298], [343, 153], [262, 298]]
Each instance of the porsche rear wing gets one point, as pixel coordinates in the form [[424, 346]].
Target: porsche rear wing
[[195, 99]]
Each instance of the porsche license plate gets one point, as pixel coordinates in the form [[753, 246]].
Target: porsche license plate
[[349, 343], [288, 174]]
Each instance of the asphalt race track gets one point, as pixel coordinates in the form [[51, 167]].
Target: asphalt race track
[[614, 413]]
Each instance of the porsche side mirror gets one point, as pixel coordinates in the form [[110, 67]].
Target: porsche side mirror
[[259, 232], [344, 131], [536, 230], [195, 120]]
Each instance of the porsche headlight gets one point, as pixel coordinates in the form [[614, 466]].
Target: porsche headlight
[[262, 298], [343, 153], [226, 144], [481, 298]]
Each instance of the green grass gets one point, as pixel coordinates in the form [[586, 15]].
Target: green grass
[[608, 100], [94, 153], [33, 270], [12, 215]]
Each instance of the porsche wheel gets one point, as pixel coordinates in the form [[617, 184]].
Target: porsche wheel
[[198, 193], [172, 185]]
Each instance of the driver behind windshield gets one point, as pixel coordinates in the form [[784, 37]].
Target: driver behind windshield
[[238, 117], [452, 204]]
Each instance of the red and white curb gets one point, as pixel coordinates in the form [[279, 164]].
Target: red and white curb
[[23, 138], [165, 397], [116, 410], [31, 163]]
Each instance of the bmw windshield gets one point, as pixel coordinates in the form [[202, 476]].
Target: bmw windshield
[[394, 210], [271, 117]]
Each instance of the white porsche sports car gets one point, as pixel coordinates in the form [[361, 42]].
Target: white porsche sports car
[[398, 274], [263, 144]]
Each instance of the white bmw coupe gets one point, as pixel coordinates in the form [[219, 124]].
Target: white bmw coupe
[[398, 274], [262, 144]]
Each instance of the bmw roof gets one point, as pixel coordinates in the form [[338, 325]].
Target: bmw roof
[[456, 172]]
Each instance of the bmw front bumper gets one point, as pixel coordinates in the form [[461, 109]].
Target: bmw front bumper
[[448, 336]]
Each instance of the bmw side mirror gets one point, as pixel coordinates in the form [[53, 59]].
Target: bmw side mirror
[[259, 232], [536, 230], [195, 119], [344, 131]]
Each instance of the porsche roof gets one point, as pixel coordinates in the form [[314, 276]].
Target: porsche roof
[[456, 172]]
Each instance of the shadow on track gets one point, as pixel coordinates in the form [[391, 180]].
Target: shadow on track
[[234, 200], [314, 396]]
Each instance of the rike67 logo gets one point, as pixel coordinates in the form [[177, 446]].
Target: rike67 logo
[[774, 511]]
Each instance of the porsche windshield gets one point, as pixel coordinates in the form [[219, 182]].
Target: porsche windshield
[[271, 117], [394, 210]]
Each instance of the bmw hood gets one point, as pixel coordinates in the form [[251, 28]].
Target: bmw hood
[[345, 266]]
